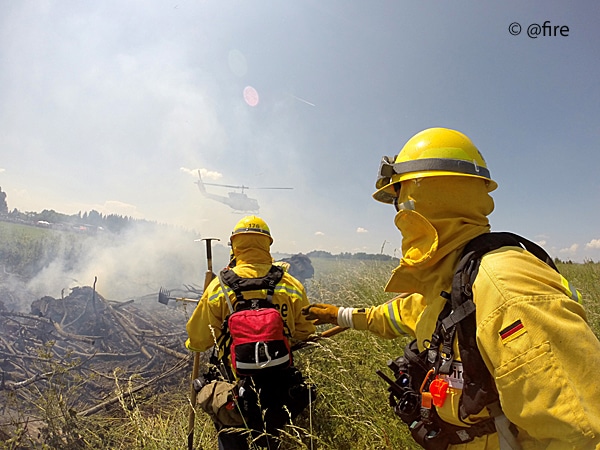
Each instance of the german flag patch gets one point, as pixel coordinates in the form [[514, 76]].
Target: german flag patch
[[513, 331]]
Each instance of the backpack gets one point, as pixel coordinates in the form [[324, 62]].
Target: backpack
[[254, 334], [412, 370]]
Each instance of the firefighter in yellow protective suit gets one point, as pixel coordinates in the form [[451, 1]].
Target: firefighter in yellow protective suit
[[250, 242], [532, 331]]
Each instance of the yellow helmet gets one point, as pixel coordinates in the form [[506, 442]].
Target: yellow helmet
[[252, 224], [430, 153]]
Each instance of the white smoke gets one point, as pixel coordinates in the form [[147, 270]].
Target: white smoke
[[135, 263]]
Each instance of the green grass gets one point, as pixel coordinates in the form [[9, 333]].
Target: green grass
[[353, 410], [586, 279], [26, 249]]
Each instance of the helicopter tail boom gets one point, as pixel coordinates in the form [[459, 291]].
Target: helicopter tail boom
[[200, 183]]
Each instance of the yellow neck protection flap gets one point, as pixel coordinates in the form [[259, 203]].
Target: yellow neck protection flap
[[251, 248], [448, 212]]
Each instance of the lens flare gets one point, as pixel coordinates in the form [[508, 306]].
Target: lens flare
[[250, 96]]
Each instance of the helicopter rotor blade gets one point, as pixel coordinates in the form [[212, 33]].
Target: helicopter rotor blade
[[242, 186], [226, 185], [271, 188]]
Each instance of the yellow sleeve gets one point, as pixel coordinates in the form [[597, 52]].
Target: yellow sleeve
[[295, 294], [395, 318], [206, 319], [303, 328], [543, 355]]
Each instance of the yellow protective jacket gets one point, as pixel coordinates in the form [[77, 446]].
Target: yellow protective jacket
[[544, 373], [253, 260], [544, 369]]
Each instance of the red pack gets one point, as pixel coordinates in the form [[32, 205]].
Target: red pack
[[258, 341], [256, 332]]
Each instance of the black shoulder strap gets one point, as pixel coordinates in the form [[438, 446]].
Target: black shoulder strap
[[478, 389], [488, 242], [239, 284]]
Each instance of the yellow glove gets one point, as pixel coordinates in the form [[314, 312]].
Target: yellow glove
[[321, 313]]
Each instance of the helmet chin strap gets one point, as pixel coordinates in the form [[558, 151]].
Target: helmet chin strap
[[397, 197]]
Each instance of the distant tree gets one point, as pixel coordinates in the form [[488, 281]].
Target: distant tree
[[49, 215], [95, 218], [3, 204], [361, 256], [319, 254], [116, 223]]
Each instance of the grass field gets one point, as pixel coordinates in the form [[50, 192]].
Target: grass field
[[351, 411]]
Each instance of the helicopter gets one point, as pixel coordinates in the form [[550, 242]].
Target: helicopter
[[238, 201]]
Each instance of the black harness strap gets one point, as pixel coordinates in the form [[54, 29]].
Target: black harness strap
[[239, 284]]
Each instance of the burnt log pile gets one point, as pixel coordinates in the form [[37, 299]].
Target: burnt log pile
[[90, 345]]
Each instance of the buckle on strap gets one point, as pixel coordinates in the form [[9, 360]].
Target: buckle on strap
[[464, 310]]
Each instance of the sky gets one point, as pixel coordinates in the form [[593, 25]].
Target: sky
[[116, 105]]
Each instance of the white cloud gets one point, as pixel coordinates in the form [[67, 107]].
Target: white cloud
[[570, 250], [108, 207], [541, 243], [594, 243], [361, 230], [206, 174], [319, 233], [191, 172], [2, 170], [117, 207], [210, 174]]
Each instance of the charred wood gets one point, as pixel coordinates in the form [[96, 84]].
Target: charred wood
[[78, 343]]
